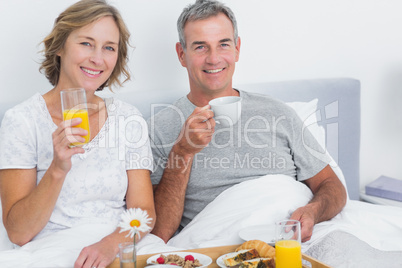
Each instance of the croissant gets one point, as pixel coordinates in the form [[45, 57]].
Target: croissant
[[263, 249]]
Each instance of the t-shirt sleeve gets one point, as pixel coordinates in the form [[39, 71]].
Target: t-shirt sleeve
[[164, 128], [160, 159], [17, 141], [309, 157]]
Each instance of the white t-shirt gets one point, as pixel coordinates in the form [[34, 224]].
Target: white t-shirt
[[95, 187]]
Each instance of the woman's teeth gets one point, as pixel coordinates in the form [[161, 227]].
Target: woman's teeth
[[90, 71]]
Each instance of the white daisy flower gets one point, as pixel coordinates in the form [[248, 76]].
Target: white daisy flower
[[134, 220]]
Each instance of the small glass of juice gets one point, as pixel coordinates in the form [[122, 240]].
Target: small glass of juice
[[288, 244], [74, 105]]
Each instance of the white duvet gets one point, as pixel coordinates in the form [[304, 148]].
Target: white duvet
[[260, 201], [362, 235], [61, 249], [275, 197]]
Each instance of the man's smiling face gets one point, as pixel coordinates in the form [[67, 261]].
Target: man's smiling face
[[210, 55]]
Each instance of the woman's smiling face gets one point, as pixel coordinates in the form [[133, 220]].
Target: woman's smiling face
[[89, 55]]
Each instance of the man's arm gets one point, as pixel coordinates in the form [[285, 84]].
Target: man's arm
[[328, 200], [171, 191]]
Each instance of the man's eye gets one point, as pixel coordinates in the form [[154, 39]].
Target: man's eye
[[224, 45], [199, 47]]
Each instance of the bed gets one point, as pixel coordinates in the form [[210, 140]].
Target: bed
[[335, 106]]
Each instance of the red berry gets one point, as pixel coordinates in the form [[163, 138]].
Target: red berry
[[160, 260], [189, 258]]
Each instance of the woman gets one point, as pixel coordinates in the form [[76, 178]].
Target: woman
[[47, 187]]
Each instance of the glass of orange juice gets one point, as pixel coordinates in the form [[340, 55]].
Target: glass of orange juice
[[288, 244], [73, 105]]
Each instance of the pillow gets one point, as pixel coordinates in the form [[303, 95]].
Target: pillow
[[307, 111]]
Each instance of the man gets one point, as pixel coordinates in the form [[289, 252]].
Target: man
[[197, 159]]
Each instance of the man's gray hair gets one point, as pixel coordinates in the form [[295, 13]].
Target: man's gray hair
[[203, 9]]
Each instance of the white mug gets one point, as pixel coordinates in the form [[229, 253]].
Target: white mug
[[227, 110]]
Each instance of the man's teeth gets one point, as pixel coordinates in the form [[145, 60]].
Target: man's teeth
[[214, 71], [91, 72]]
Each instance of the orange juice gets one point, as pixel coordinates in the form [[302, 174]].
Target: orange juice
[[78, 113], [288, 254]]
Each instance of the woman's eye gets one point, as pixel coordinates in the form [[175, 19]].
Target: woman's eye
[[110, 48], [86, 44]]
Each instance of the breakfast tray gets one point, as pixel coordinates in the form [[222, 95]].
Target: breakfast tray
[[214, 253]]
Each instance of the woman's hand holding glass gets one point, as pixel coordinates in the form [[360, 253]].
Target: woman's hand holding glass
[[65, 134], [73, 131]]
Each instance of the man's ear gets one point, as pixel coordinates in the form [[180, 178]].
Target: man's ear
[[238, 49], [180, 54]]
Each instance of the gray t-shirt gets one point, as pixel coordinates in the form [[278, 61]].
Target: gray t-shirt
[[266, 140]]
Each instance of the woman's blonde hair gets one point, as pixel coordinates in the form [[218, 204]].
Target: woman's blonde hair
[[74, 17]]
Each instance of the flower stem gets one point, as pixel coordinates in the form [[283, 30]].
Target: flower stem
[[134, 254]]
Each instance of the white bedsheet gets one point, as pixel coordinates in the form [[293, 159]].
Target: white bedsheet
[[260, 201], [61, 249], [274, 197], [255, 202]]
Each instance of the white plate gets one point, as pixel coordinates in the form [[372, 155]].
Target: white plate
[[204, 259], [264, 233], [158, 266], [220, 262]]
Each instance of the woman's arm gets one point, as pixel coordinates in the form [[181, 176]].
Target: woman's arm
[[139, 195], [27, 207]]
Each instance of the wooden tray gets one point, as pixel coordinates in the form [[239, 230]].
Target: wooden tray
[[214, 253]]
